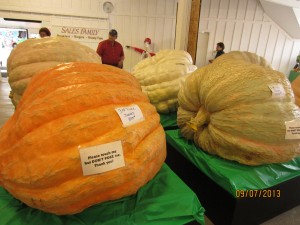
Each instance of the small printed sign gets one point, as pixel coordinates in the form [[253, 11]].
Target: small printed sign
[[296, 113], [130, 115], [277, 90], [191, 68], [102, 158], [292, 129]]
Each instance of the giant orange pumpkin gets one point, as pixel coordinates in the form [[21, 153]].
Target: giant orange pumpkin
[[68, 108], [296, 90]]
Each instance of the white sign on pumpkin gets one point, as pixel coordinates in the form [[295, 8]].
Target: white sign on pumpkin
[[277, 90], [130, 115], [292, 129], [102, 158]]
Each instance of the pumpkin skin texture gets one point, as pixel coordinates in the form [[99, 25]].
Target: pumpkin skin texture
[[35, 55], [162, 75], [68, 107], [296, 90], [228, 110]]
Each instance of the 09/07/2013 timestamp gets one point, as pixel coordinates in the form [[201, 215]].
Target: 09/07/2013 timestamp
[[266, 193]]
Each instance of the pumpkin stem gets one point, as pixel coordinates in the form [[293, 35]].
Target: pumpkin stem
[[201, 119]]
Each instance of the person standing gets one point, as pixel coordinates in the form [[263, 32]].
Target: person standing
[[111, 51], [220, 50], [297, 66], [44, 32]]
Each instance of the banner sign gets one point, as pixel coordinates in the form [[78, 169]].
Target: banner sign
[[81, 33]]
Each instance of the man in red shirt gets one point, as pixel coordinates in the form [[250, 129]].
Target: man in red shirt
[[111, 51]]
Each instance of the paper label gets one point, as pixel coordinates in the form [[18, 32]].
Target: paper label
[[292, 129], [296, 113], [191, 68], [277, 90], [130, 115], [102, 158]]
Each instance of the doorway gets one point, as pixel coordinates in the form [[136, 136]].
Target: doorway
[[201, 55]]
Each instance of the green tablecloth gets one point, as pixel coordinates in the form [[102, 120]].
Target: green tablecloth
[[165, 200], [231, 175], [293, 75], [169, 121]]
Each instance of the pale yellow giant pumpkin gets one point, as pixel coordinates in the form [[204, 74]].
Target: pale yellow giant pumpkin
[[228, 109], [35, 55], [162, 75]]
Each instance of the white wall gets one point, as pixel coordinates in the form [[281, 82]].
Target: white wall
[[243, 25], [136, 20], [133, 19]]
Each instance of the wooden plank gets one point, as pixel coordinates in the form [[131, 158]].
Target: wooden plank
[[193, 28]]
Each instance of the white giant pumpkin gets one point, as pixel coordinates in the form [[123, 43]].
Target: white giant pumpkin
[[237, 108], [162, 75]]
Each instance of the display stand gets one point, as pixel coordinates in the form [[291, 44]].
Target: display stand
[[219, 184], [169, 121], [165, 200], [293, 75]]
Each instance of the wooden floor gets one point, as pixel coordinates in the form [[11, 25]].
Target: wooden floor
[[291, 217]]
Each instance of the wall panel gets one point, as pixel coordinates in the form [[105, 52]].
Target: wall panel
[[254, 37], [241, 10], [286, 54], [263, 39], [247, 28], [278, 50], [237, 36], [229, 31], [75, 8], [232, 11], [148, 18], [245, 41], [223, 11], [133, 19], [271, 44], [214, 8], [251, 9]]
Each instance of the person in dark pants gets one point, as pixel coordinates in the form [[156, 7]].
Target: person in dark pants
[[111, 51], [220, 50]]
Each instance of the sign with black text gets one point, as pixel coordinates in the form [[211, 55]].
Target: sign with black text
[[81, 33], [130, 115], [102, 158]]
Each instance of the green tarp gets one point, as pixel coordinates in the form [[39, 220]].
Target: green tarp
[[231, 175], [165, 200], [293, 75], [169, 121]]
